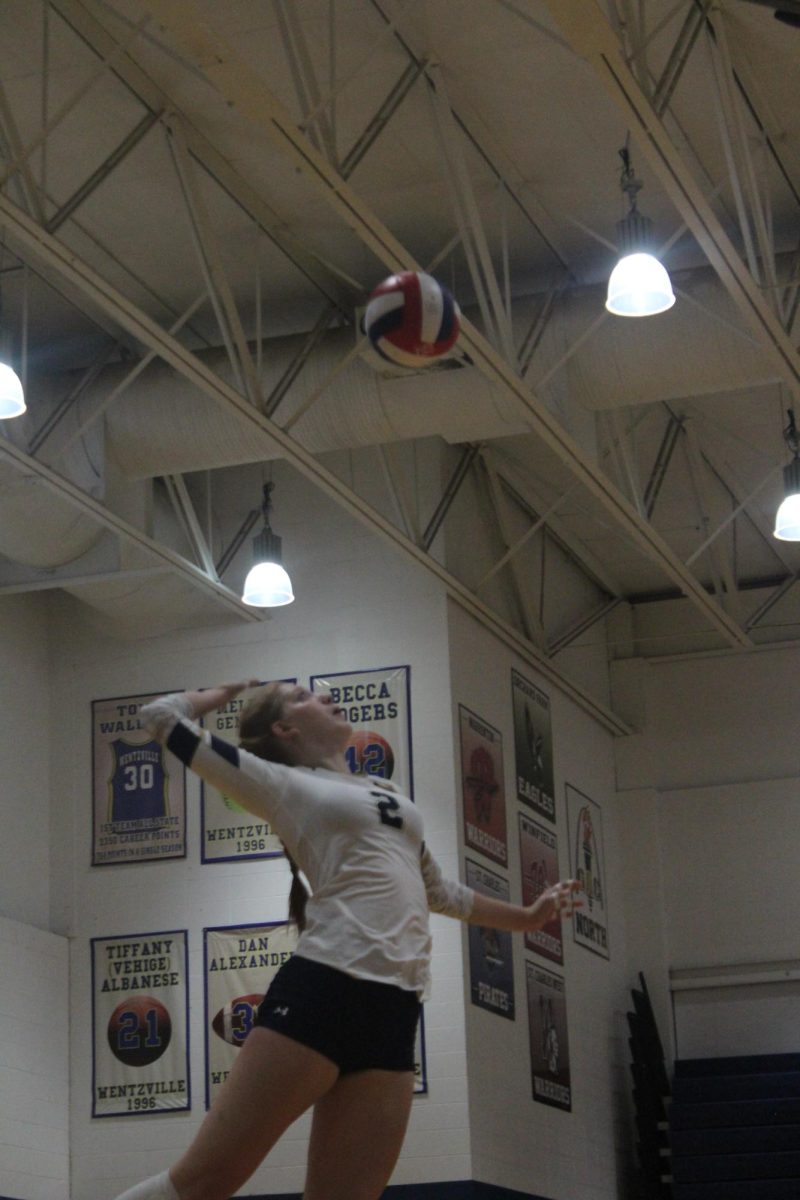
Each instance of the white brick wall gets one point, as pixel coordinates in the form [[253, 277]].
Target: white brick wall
[[358, 606], [34, 1063], [517, 1142]]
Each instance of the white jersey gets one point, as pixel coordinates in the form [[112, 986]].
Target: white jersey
[[359, 844]]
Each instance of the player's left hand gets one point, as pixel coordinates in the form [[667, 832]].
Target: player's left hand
[[558, 900]]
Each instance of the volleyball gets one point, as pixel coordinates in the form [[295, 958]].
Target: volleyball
[[139, 1031], [411, 319]]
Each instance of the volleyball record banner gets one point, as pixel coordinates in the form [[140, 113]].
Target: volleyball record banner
[[538, 857], [533, 746], [482, 786], [139, 788], [140, 1046], [229, 832], [378, 707], [588, 863], [240, 963]]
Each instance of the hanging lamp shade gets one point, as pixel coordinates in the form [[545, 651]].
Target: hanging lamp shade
[[787, 518], [12, 400], [267, 584], [639, 285]]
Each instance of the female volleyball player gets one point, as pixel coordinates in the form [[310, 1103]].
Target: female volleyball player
[[336, 1029]]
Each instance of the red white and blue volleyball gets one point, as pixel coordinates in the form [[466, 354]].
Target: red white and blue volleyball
[[411, 319]]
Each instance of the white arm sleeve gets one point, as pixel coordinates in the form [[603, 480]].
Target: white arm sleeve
[[445, 896], [257, 785]]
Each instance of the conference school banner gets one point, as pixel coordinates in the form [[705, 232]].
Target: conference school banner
[[538, 856], [491, 959], [484, 798], [378, 707], [549, 1045], [229, 832], [140, 1030], [139, 788], [533, 746], [588, 864]]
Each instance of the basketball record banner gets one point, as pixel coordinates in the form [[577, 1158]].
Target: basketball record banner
[[588, 862], [549, 1045], [538, 856], [139, 788], [140, 1044], [491, 960], [378, 707], [533, 746], [228, 831], [482, 786]]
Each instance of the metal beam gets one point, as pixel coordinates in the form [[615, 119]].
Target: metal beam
[[530, 619], [103, 171], [107, 519], [245, 90], [126, 313], [182, 503], [85, 22], [210, 256]]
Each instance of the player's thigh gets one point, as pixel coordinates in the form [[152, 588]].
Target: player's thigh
[[273, 1081], [356, 1135]]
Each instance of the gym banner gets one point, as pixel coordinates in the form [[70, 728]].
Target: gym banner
[[538, 856], [140, 1029], [549, 1046], [491, 961], [139, 788], [483, 790], [378, 706], [229, 832], [587, 864], [240, 963], [533, 746]]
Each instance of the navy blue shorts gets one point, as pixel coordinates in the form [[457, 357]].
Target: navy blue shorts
[[358, 1024]]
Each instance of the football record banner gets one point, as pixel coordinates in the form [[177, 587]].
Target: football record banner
[[240, 963], [483, 791], [378, 707], [588, 863], [140, 1054], [491, 962], [549, 1045], [533, 746], [538, 855], [139, 788], [228, 831]]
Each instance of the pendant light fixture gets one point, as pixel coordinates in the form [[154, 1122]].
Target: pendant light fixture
[[12, 400], [267, 584], [639, 285], [787, 518]]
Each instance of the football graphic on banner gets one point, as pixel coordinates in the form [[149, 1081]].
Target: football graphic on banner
[[234, 1020], [139, 1031]]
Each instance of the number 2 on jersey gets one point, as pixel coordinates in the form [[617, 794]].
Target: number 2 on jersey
[[388, 808]]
